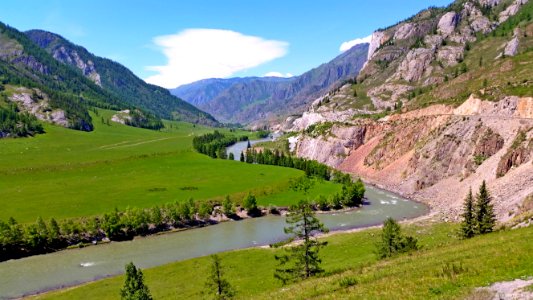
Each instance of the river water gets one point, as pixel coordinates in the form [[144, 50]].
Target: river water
[[239, 147], [70, 267]]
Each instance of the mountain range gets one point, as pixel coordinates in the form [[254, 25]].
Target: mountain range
[[59, 82], [256, 100]]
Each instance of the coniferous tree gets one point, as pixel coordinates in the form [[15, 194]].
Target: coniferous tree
[[242, 157], [485, 218], [216, 284], [302, 260], [393, 241], [468, 225], [134, 287], [231, 156]]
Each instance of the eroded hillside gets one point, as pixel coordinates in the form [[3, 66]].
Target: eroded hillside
[[444, 102]]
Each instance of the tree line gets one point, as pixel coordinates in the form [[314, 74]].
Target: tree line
[[16, 124], [20, 240]]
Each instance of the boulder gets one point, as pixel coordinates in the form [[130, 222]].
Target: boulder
[[405, 31], [415, 64], [448, 22], [511, 10], [450, 55], [511, 49]]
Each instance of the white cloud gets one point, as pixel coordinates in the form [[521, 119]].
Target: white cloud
[[195, 54], [278, 74], [349, 44]]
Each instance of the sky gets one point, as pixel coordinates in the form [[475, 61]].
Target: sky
[[170, 43]]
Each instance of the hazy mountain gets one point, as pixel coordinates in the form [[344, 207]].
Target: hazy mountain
[[247, 100]]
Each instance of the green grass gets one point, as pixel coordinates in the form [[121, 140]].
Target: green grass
[[66, 173], [445, 268]]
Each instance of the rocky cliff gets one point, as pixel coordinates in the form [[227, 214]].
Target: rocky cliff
[[444, 102]]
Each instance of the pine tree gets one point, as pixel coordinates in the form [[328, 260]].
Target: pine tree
[[216, 284], [468, 226], [242, 157], [302, 260], [393, 242], [231, 156], [134, 287], [486, 220]]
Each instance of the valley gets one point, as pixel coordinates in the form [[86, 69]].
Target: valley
[[402, 168]]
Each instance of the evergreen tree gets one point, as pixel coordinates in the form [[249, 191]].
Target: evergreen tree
[[468, 225], [231, 156], [486, 220], [301, 261], [242, 157], [216, 284], [134, 287], [392, 240]]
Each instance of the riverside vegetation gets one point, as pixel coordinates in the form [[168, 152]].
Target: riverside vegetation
[[18, 240]]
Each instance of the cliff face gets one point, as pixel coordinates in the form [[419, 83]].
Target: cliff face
[[436, 154], [444, 102]]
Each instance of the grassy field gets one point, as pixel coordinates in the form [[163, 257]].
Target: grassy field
[[66, 173], [445, 268]]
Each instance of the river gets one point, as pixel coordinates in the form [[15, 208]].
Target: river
[[239, 147], [69, 267]]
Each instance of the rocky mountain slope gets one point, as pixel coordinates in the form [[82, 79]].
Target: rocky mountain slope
[[444, 102], [257, 100], [118, 80]]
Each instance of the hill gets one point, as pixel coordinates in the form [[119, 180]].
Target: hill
[[257, 100], [118, 80], [444, 102], [35, 86]]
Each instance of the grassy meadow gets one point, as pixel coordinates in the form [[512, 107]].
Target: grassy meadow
[[445, 268], [66, 173]]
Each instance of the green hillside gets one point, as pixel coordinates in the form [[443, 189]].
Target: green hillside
[[119, 81], [67, 173]]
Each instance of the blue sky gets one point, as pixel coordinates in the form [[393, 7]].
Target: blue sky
[[173, 42]]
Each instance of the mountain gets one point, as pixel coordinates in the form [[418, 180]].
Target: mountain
[[444, 102], [259, 99], [203, 91], [118, 80]]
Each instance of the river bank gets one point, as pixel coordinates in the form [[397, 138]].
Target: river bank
[[57, 270]]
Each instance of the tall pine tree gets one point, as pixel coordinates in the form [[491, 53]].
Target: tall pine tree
[[134, 287], [468, 225], [485, 218], [301, 260]]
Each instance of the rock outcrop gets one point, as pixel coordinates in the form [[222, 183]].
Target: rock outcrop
[[448, 22], [437, 153], [415, 64], [72, 58], [36, 103]]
